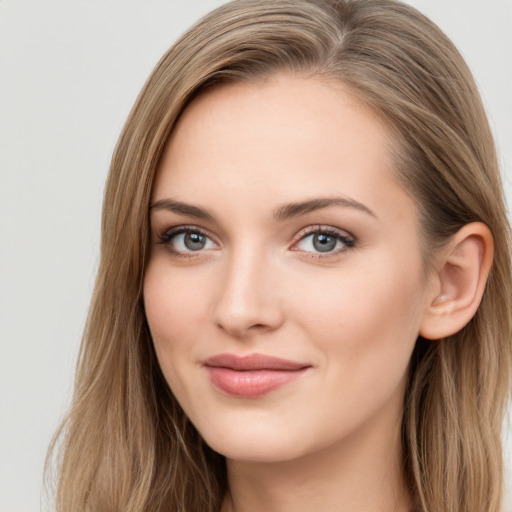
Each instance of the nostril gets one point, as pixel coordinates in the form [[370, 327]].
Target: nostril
[[241, 330], [254, 326]]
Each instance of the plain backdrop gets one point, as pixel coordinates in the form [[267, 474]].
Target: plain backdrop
[[69, 73]]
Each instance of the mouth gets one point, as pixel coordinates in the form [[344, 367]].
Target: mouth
[[253, 375]]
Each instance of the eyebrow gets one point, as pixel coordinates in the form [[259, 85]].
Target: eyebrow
[[182, 208], [304, 207], [281, 214]]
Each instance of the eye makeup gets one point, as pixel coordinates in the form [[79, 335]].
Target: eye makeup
[[321, 242], [315, 242], [187, 241]]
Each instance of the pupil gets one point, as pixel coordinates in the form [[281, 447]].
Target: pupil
[[323, 242], [194, 241]]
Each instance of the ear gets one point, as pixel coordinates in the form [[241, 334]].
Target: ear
[[458, 281]]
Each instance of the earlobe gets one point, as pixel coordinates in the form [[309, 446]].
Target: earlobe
[[458, 283]]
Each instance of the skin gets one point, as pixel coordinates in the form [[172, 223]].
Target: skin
[[329, 440]]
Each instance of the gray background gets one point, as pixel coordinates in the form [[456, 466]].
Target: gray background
[[70, 71]]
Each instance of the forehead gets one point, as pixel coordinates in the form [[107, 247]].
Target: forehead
[[284, 139]]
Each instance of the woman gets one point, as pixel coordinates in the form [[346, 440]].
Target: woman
[[303, 298]]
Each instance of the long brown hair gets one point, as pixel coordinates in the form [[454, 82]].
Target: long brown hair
[[126, 444]]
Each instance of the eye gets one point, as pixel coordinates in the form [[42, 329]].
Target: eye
[[324, 240], [187, 240]]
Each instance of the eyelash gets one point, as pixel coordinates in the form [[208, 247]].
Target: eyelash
[[166, 237], [345, 238]]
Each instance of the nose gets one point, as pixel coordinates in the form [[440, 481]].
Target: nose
[[248, 299]]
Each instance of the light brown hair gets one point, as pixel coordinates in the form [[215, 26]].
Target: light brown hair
[[126, 444]]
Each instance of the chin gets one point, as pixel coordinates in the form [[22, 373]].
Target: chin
[[254, 446], [255, 452]]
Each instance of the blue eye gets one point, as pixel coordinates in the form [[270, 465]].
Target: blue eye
[[324, 241], [186, 240]]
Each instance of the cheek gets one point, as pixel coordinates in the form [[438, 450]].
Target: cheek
[[173, 308], [365, 329], [365, 319]]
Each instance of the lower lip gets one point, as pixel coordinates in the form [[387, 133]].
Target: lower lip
[[251, 383]]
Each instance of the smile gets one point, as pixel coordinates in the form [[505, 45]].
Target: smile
[[253, 375]]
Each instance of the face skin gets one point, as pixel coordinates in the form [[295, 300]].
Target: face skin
[[256, 282]]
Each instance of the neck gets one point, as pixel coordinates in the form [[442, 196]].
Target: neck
[[362, 472]]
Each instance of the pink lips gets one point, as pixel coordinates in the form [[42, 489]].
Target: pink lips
[[253, 375]]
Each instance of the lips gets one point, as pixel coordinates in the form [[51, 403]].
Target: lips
[[253, 375]]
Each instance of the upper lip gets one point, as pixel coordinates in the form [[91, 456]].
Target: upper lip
[[253, 362]]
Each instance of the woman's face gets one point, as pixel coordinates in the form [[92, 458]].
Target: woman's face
[[285, 288]]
